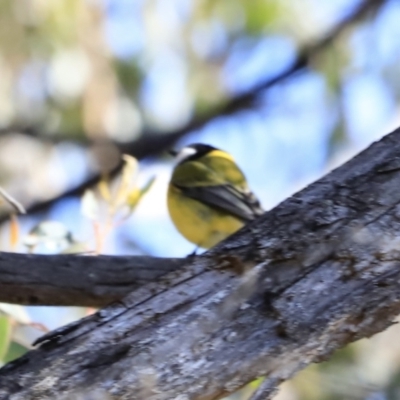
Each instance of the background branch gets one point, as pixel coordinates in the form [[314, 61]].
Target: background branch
[[315, 273], [147, 145], [153, 143], [76, 280]]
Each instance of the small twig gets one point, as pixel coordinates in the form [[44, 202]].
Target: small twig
[[18, 207]]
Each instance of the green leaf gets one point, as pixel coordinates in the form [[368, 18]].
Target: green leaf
[[129, 75], [128, 180], [90, 207], [15, 350], [261, 14], [135, 195], [5, 335]]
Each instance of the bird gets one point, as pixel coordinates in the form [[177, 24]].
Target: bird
[[208, 196]]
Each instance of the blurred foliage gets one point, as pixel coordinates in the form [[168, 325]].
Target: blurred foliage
[[120, 197], [103, 70], [14, 351], [80, 76], [5, 335]]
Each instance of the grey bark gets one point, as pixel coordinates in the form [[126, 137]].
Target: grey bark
[[76, 280], [315, 273]]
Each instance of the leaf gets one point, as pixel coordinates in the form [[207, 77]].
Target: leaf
[[261, 14], [76, 247], [131, 165], [128, 180], [5, 335], [90, 207], [147, 186], [104, 189], [133, 198], [15, 350], [16, 312], [256, 383], [135, 195], [52, 234]]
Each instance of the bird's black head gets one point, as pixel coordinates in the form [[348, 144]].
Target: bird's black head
[[201, 149], [192, 152]]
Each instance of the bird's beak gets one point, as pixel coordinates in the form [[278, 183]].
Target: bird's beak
[[173, 152]]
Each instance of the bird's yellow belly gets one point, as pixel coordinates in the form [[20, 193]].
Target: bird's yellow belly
[[199, 223]]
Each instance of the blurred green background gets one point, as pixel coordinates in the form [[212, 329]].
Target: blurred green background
[[290, 88]]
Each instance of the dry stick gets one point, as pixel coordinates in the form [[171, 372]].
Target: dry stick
[[18, 207], [327, 272]]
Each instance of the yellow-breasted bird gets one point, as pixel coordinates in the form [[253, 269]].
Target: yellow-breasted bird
[[208, 196]]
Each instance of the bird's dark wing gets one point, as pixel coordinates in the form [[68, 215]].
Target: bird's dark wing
[[245, 206]]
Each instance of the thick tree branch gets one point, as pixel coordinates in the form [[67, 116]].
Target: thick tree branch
[[76, 280], [317, 272], [152, 143]]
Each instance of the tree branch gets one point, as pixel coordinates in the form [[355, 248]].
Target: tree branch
[[152, 143], [76, 280], [317, 272]]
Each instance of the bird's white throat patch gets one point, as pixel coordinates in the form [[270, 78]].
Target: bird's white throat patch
[[185, 153]]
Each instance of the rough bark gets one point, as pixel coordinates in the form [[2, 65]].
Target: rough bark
[[315, 273], [76, 280]]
